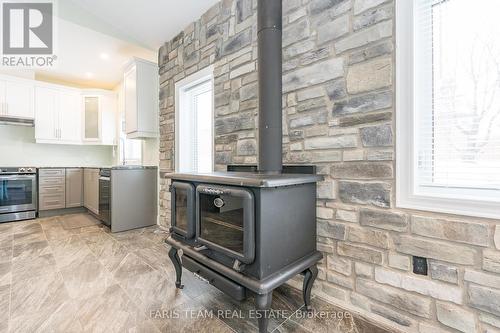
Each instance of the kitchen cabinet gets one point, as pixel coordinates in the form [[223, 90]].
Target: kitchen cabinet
[[91, 189], [16, 98], [51, 189], [70, 117], [99, 117], [140, 89], [58, 115], [74, 187]]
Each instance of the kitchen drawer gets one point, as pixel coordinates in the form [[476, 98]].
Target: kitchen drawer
[[52, 201], [51, 181], [52, 189], [51, 172]]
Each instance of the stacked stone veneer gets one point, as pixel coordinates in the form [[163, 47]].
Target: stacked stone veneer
[[339, 114]]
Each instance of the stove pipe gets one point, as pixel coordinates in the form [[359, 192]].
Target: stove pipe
[[270, 86]]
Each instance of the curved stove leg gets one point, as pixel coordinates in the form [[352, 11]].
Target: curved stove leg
[[174, 256], [309, 277], [263, 306]]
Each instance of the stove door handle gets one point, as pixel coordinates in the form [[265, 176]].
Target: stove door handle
[[200, 248], [18, 177]]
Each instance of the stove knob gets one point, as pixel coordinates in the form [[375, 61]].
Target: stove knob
[[30, 170], [22, 170]]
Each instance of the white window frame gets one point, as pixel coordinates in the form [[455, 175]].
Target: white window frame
[[407, 195], [181, 86]]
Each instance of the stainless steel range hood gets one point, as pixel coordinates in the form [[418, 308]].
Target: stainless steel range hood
[[17, 121]]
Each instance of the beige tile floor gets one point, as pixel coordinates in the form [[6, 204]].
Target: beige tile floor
[[69, 274]]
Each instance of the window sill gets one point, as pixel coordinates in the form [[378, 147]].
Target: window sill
[[465, 207]]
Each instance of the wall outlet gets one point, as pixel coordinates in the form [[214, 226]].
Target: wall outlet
[[420, 265]]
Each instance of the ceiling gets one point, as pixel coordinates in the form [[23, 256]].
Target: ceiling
[[148, 22], [96, 38]]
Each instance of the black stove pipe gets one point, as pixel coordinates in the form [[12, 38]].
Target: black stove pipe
[[270, 86]]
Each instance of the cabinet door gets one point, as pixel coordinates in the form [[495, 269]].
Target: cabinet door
[[91, 118], [130, 92], [109, 118], [46, 107], [19, 99], [94, 199], [74, 188], [86, 188], [91, 190], [70, 117]]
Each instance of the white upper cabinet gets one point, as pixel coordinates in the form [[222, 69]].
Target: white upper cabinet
[[100, 117], [58, 115], [16, 98], [141, 99], [46, 123], [70, 110]]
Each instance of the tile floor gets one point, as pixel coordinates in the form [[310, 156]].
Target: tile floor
[[69, 274]]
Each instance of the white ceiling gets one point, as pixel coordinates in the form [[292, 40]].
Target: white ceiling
[[96, 38], [149, 22]]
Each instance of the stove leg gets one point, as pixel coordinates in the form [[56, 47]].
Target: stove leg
[[263, 306], [309, 277], [174, 256]]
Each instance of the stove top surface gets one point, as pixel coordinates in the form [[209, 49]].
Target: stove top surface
[[17, 170], [249, 179]]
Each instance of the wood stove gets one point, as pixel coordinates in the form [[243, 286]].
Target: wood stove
[[249, 230]]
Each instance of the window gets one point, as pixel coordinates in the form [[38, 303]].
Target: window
[[130, 149], [194, 123], [448, 104]]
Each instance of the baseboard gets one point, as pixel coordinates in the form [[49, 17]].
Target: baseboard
[[64, 211]]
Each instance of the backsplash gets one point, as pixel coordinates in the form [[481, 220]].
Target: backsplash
[[18, 148], [338, 81]]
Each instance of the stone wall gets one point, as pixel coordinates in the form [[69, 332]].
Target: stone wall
[[339, 115]]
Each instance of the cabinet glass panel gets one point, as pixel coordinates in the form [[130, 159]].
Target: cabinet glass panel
[[221, 220], [181, 208], [91, 117]]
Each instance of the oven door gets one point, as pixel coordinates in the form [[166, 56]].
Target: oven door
[[183, 209], [17, 193], [225, 221]]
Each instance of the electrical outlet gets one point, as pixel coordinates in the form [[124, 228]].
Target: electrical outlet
[[420, 265]]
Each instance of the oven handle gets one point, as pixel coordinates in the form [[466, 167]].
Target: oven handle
[[16, 177]]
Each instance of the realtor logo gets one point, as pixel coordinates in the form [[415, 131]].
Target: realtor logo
[[27, 28]]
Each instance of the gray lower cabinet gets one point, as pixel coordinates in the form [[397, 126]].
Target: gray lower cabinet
[[91, 189], [74, 187], [52, 189], [60, 188]]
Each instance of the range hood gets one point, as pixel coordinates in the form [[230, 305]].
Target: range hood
[[17, 121]]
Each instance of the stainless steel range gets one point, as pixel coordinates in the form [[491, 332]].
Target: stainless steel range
[[249, 230], [18, 194]]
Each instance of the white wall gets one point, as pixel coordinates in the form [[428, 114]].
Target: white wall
[[18, 148], [151, 152]]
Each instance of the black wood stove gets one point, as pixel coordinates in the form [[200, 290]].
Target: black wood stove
[[249, 230]]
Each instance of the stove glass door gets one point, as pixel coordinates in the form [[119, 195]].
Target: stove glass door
[[226, 221], [17, 193], [183, 208]]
